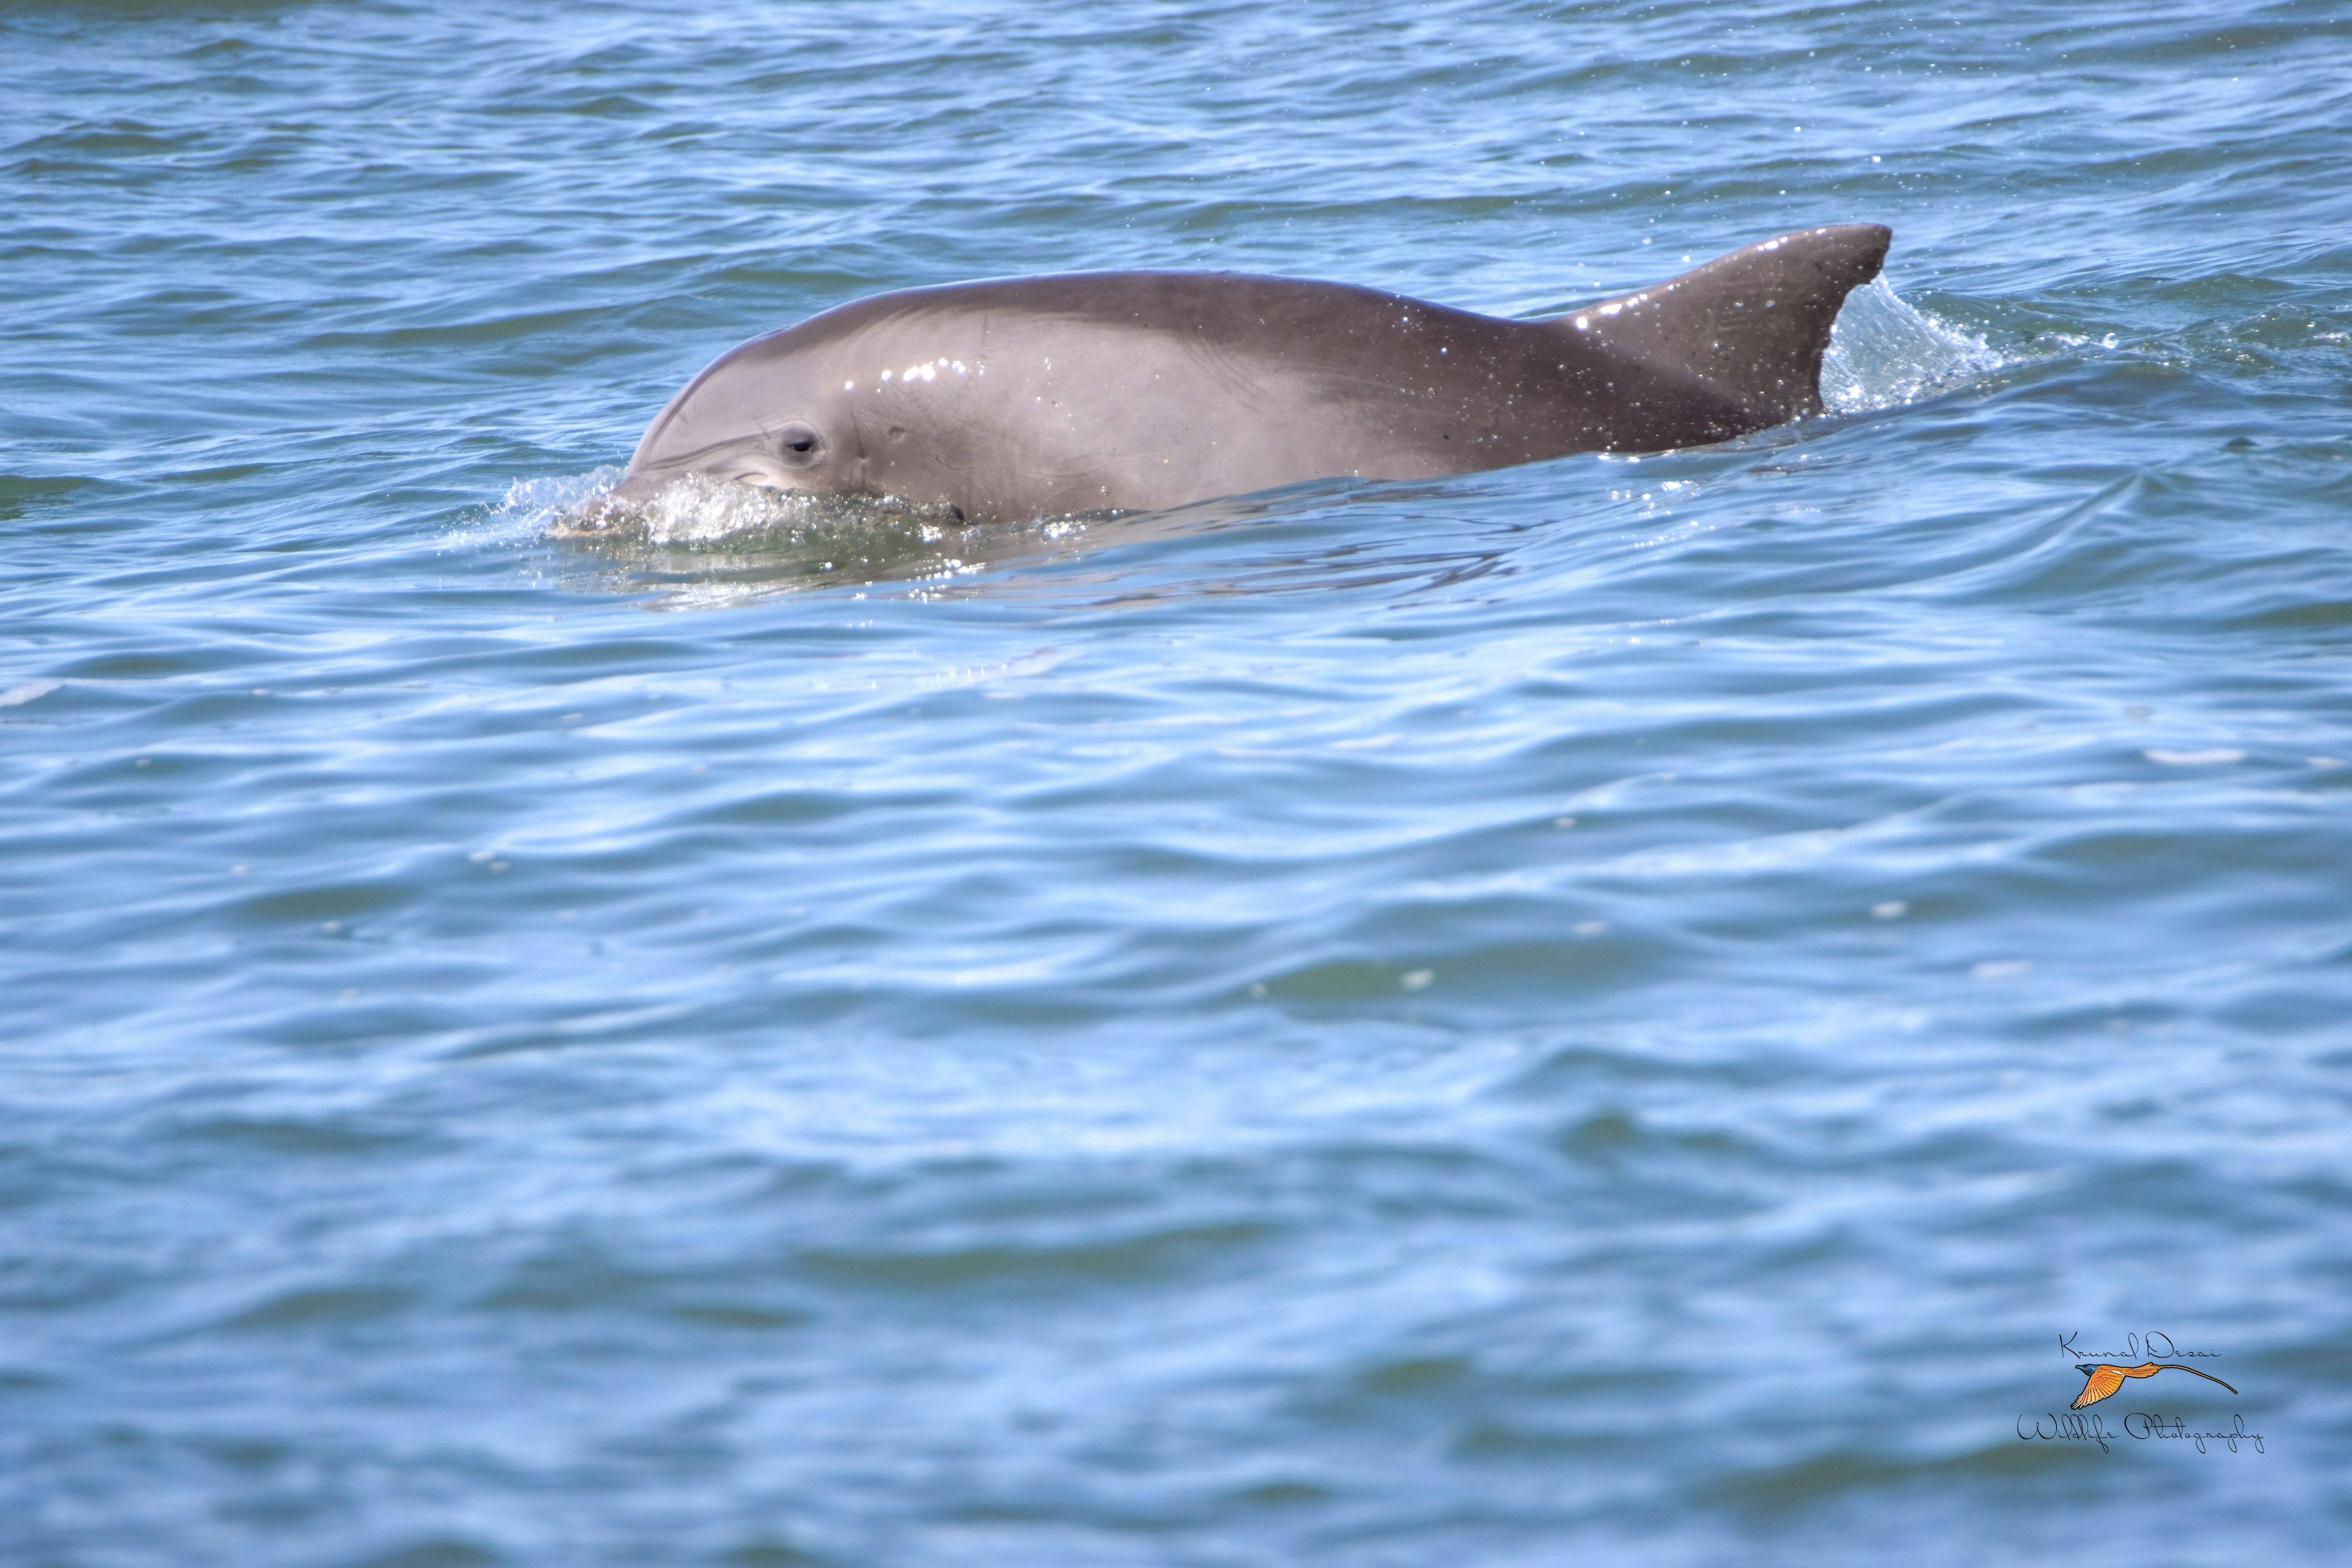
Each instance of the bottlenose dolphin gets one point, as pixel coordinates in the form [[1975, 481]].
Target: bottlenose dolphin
[[1030, 396]]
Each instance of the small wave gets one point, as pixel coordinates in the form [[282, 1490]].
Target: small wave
[[1883, 353]]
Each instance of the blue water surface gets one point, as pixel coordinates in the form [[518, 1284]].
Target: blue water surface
[[1615, 1010]]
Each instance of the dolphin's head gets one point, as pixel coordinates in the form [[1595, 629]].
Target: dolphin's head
[[768, 414]]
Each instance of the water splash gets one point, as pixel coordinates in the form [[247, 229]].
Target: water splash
[[697, 510], [1884, 352], [708, 542]]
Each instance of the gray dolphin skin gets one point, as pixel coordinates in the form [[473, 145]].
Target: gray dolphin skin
[[1032, 396]]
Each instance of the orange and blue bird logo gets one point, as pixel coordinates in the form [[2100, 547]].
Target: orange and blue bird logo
[[2104, 1377]]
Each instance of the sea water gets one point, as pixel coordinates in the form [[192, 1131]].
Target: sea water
[[1619, 1010]]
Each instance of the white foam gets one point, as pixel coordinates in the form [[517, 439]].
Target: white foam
[[30, 691]]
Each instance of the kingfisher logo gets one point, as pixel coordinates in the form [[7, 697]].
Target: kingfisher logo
[[2104, 1373], [2101, 1379]]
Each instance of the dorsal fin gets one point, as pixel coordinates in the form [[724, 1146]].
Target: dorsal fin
[[1751, 325]]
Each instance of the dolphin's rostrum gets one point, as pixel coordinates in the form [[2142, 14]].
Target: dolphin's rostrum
[[1030, 396]]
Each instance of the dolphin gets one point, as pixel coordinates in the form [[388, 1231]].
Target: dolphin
[[1031, 396]]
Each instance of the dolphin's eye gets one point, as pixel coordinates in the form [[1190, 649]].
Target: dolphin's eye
[[800, 443]]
